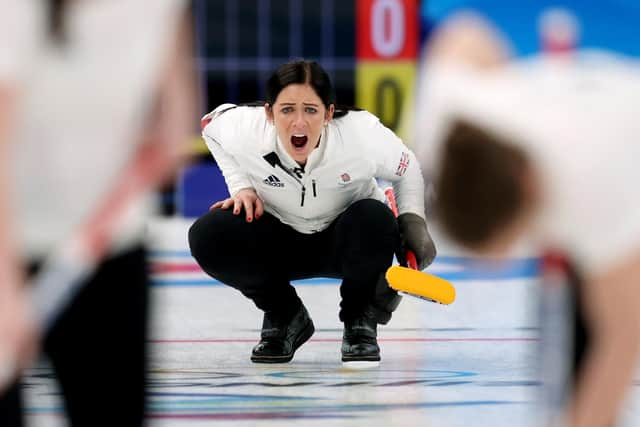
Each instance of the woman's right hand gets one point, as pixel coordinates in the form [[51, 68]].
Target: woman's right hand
[[245, 198]]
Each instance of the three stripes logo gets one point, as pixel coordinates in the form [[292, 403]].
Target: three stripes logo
[[273, 181]]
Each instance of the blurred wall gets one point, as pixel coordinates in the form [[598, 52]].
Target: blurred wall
[[610, 24]]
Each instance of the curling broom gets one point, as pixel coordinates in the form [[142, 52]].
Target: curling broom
[[410, 280]]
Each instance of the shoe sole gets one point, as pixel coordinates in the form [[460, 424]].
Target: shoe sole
[[368, 359], [304, 336], [360, 364]]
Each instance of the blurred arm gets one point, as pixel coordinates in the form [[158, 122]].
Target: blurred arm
[[171, 124], [163, 141], [9, 277], [17, 328], [19, 37], [611, 301]]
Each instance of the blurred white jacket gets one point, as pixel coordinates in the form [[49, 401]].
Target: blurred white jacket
[[577, 119], [84, 108]]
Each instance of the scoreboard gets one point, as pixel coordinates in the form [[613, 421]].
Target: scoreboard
[[386, 55]]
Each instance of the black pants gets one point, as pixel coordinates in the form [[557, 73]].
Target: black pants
[[98, 349], [262, 257]]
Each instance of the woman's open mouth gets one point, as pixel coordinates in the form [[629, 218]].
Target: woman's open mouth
[[298, 141]]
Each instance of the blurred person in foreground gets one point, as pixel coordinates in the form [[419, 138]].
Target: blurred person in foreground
[[85, 86], [545, 148]]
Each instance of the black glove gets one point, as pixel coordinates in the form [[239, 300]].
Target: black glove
[[415, 237]]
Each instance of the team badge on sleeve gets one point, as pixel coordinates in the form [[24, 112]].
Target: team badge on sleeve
[[206, 120], [404, 164]]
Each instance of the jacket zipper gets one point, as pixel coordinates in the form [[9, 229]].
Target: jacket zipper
[[313, 183], [291, 174]]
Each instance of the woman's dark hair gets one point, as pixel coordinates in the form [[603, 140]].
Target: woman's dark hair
[[480, 184], [57, 10], [304, 72]]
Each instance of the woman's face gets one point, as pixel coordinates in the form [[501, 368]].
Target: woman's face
[[299, 115]]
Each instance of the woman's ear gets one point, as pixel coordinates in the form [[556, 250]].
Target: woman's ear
[[269, 112], [329, 114]]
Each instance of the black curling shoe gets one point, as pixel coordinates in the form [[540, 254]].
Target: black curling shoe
[[359, 342], [280, 338]]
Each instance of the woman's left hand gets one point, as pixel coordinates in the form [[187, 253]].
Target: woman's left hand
[[415, 237]]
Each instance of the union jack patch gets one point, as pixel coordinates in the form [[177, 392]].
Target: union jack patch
[[345, 177], [205, 121], [403, 165]]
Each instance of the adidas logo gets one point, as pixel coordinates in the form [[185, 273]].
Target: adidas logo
[[273, 181]]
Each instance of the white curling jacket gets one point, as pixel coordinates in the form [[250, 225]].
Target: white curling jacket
[[354, 151]]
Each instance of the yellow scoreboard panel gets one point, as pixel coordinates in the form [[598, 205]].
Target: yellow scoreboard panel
[[385, 88]]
